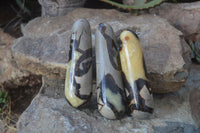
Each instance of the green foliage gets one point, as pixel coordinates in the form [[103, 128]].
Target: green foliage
[[3, 100], [195, 50], [174, 1], [181, 1], [22, 6], [138, 4]]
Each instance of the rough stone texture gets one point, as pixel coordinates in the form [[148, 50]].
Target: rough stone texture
[[50, 112], [193, 81], [48, 26], [46, 56], [184, 16], [11, 76], [9, 72], [174, 127], [44, 48], [195, 106], [194, 97], [19, 84], [2, 126], [59, 7]]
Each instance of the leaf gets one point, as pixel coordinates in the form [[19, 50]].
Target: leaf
[[4, 101], [143, 6], [6, 95], [1, 93]]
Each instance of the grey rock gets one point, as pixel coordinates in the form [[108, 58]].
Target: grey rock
[[51, 113], [176, 127], [19, 84], [44, 49], [42, 56], [59, 7], [2, 126], [57, 85], [184, 16], [194, 97], [48, 26], [194, 104], [193, 81], [9, 71]]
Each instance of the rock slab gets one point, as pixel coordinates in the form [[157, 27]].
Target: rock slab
[[50, 112], [184, 16], [7, 71], [195, 106], [10, 74], [194, 97], [44, 49], [2, 126], [59, 7]]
